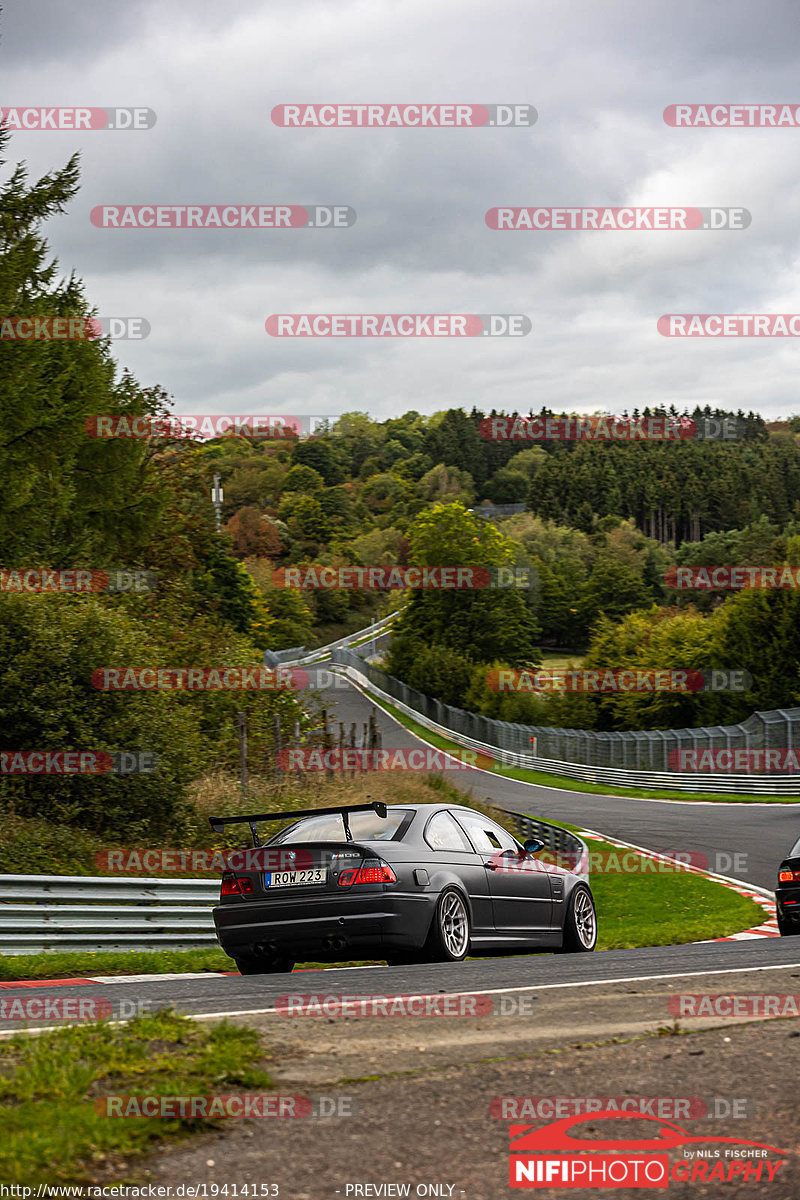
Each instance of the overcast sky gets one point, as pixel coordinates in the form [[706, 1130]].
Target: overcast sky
[[599, 75]]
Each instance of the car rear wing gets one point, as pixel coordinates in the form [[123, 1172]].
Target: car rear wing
[[251, 819]]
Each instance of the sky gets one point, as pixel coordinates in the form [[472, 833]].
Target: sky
[[599, 77]]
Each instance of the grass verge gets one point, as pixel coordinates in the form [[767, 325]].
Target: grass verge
[[651, 906], [575, 785], [50, 1131], [661, 905], [644, 902]]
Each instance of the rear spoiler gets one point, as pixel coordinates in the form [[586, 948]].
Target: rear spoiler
[[219, 823]]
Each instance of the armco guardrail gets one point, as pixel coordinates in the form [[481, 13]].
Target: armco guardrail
[[42, 913], [79, 912], [367, 637], [566, 846], [507, 742]]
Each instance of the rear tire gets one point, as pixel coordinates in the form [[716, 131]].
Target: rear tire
[[258, 965], [448, 940], [788, 928], [580, 923]]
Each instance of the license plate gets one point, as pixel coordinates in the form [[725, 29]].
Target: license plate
[[295, 878]]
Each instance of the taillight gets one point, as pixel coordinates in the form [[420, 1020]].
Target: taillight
[[231, 886], [377, 872], [789, 876]]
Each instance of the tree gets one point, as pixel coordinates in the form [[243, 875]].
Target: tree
[[302, 478], [67, 496], [482, 622], [318, 453]]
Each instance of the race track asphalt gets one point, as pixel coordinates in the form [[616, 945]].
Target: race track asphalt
[[759, 834]]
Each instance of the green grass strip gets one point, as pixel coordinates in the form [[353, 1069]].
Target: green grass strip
[[50, 1131]]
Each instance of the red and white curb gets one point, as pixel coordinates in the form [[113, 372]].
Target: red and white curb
[[760, 896]]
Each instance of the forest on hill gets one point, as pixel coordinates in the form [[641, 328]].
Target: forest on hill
[[601, 524]]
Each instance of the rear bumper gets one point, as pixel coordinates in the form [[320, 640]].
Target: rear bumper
[[791, 911], [327, 924]]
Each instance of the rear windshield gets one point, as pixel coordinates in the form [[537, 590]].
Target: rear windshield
[[364, 827], [795, 850]]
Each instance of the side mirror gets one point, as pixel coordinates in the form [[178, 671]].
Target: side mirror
[[532, 845]]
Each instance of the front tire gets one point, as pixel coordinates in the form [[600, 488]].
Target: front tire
[[258, 965], [448, 940], [580, 923]]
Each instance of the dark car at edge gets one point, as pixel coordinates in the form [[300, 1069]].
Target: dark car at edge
[[787, 893]]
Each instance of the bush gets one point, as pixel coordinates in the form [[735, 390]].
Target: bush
[[50, 645]]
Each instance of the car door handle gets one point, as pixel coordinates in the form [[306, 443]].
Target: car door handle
[[491, 864]]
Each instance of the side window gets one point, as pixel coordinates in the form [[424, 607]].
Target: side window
[[442, 833], [485, 835]]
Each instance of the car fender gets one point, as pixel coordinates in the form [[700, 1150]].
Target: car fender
[[570, 883], [442, 878]]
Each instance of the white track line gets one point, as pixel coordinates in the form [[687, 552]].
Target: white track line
[[535, 987]]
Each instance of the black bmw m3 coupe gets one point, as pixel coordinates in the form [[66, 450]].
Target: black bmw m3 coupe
[[406, 883]]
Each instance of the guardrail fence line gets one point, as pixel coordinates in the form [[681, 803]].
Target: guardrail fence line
[[630, 759]]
